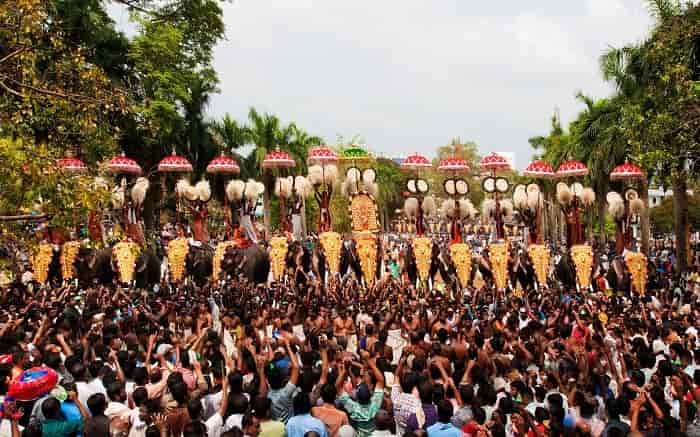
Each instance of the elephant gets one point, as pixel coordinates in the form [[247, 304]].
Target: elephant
[[522, 270], [98, 266], [565, 271], [349, 259], [199, 263], [440, 261], [298, 256], [252, 262], [618, 275]]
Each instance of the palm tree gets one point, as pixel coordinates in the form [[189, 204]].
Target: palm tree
[[267, 134], [597, 139], [200, 148]]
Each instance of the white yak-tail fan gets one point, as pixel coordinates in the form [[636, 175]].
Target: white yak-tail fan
[[564, 195], [372, 189], [139, 190], [410, 206], [637, 206], [506, 208], [234, 190], [203, 190], [118, 197], [429, 206], [330, 174], [534, 198], [520, 197], [181, 187], [466, 209], [588, 196], [488, 207], [616, 205], [315, 175]]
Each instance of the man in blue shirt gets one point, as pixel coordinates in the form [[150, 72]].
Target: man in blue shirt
[[303, 421], [443, 427]]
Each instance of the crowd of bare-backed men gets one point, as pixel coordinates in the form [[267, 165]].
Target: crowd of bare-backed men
[[324, 355]]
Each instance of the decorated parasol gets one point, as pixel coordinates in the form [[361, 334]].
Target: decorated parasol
[[123, 164], [72, 165], [539, 170], [416, 162], [174, 163], [494, 162], [322, 155], [278, 159], [572, 168], [626, 172], [355, 154], [453, 165], [225, 166]]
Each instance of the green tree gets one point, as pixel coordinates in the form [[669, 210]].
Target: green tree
[[200, 148], [658, 82], [391, 181], [52, 99], [267, 133], [662, 215]]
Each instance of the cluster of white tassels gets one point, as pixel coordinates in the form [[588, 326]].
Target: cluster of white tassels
[[463, 207], [200, 191], [237, 189], [488, 208], [355, 180]]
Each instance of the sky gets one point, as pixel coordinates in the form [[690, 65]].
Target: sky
[[407, 76]]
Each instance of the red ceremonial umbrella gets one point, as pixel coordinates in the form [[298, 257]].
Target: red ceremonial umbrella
[[416, 162], [322, 155], [453, 165], [223, 165], [626, 172], [174, 163], [278, 159], [72, 165], [122, 164], [539, 169], [494, 162], [572, 168]]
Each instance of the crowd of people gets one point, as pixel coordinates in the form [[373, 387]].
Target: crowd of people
[[336, 358]]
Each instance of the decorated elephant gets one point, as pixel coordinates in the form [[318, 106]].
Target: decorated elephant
[[565, 271], [99, 266], [252, 262], [349, 259]]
